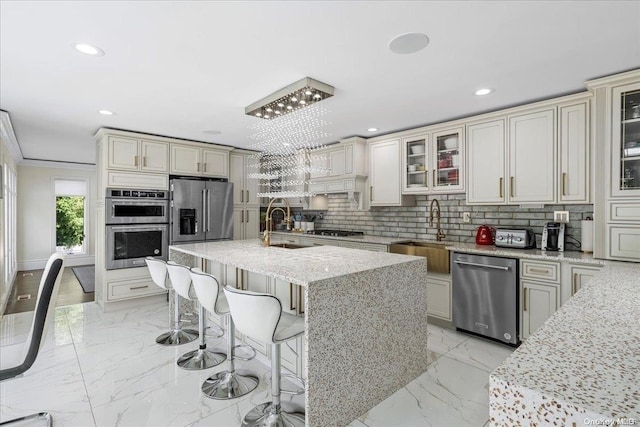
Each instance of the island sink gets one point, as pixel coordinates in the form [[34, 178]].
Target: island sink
[[287, 246]]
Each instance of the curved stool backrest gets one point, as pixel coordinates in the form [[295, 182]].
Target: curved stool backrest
[[180, 279], [254, 314], [158, 271], [43, 316], [209, 292]]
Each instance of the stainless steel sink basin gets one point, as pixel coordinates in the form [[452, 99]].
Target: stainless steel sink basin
[[287, 245], [438, 258]]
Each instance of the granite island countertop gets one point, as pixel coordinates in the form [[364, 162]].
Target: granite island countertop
[[300, 266], [582, 364]]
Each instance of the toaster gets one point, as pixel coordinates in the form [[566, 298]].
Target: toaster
[[515, 238]]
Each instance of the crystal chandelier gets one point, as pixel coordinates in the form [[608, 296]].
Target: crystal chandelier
[[287, 147]]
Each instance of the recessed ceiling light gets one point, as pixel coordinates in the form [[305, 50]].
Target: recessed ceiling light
[[483, 91], [408, 43], [212, 132], [372, 129], [88, 49], [106, 113]]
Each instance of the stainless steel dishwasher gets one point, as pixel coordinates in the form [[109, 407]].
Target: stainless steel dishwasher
[[485, 296]]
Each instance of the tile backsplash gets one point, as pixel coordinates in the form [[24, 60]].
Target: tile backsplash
[[413, 222]]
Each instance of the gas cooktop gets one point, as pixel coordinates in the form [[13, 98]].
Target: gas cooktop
[[336, 233]]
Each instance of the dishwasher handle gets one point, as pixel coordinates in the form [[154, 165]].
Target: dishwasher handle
[[475, 264]]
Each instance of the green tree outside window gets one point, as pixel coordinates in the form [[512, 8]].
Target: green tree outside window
[[69, 221]]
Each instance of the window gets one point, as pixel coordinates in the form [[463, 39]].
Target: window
[[71, 215]]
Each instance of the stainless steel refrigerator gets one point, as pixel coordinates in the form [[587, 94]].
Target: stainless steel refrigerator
[[201, 210]]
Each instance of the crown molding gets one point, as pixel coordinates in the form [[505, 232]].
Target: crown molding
[[8, 136]]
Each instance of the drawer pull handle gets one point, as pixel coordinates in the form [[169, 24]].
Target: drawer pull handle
[[524, 308], [133, 288], [539, 270], [574, 284], [475, 264]]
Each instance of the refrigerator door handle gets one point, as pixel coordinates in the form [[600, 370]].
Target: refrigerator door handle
[[208, 210], [204, 211]]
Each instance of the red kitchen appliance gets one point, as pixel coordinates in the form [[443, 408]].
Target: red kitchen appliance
[[485, 235]]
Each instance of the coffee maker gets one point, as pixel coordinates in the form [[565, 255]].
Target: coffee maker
[[553, 237]]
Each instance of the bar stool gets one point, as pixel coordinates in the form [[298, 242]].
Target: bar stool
[[260, 316], [177, 335], [228, 384], [201, 358]]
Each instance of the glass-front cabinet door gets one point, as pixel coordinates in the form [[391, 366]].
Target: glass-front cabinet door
[[448, 160], [626, 141], [416, 164]]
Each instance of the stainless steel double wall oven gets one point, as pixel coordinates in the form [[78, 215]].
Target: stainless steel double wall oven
[[137, 226]]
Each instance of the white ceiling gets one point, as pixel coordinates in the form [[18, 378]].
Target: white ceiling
[[179, 68]]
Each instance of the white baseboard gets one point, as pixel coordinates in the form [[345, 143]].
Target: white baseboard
[[70, 261]]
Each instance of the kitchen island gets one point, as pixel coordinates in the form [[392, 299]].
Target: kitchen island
[[582, 367], [365, 318]]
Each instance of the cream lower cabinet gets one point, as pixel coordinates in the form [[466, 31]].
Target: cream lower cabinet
[[439, 296], [539, 302], [539, 293], [246, 223], [579, 275]]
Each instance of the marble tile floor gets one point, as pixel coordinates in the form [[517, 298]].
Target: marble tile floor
[[105, 369]]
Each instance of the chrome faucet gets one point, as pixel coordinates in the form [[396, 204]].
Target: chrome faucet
[[436, 211], [266, 238]]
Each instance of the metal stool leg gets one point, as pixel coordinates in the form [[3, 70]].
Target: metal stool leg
[[271, 414], [177, 335], [229, 384], [201, 358]]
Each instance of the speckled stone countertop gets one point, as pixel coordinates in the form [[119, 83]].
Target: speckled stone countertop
[[299, 266], [583, 364], [567, 256], [365, 238]]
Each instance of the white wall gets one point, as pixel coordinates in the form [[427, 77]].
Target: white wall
[[37, 217]]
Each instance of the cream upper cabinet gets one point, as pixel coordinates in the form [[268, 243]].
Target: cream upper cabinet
[[625, 149], [137, 154], [447, 160], [433, 162], [384, 173], [185, 159], [485, 162], [195, 161], [532, 161], [154, 156], [415, 164], [123, 153], [573, 123]]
